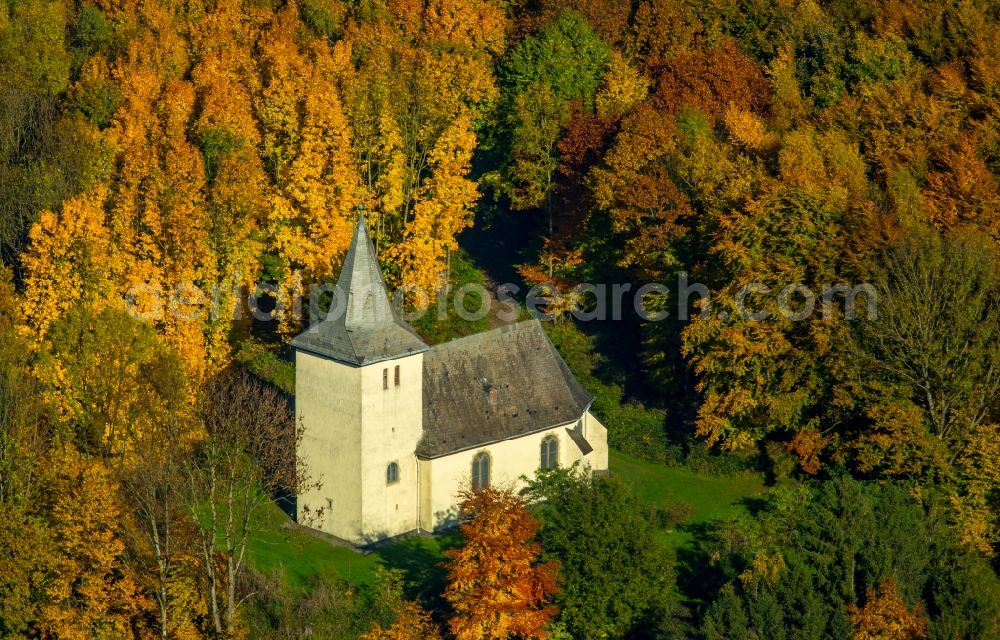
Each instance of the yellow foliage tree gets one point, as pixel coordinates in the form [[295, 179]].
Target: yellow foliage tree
[[412, 623], [70, 258], [90, 593], [978, 464], [322, 181], [621, 87], [242, 143], [413, 147], [443, 209], [885, 616]]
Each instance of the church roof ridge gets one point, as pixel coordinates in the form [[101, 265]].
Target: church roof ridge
[[489, 334], [496, 385]]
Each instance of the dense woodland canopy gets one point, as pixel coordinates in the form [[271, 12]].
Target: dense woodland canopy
[[167, 157]]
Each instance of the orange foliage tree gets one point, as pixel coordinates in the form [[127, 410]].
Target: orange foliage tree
[[885, 616], [496, 586]]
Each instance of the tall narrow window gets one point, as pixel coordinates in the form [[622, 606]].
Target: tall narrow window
[[550, 452], [480, 471], [397, 375], [392, 473], [385, 379]]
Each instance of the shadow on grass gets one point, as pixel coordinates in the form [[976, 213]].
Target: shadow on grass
[[422, 561], [699, 576], [753, 504], [286, 501]]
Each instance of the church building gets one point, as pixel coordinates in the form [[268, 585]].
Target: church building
[[394, 428]]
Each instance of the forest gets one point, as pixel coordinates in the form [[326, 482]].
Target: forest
[[160, 161]]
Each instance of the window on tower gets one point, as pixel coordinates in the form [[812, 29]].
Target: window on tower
[[392, 473], [385, 379], [397, 375]]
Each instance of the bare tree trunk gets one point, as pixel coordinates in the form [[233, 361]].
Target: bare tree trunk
[[248, 454], [150, 477], [447, 270]]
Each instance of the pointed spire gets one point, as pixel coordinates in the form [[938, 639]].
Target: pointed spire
[[367, 302], [362, 326]]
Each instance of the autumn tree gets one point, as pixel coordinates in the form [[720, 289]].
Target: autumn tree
[[755, 358], [661, 29], [110, 378], [47, 150], [27, 556], [61, 264], [635, 187], [150, 230], [122, 396], [442, 212], [396, 618], [412, 623], [89, 591], [622, 87], [886, 616], [307, 144], [236, 145], [710, 81], [25, 540], [157, 531], [541, 77], [226, 73], [973, 500], [414, 147], [497, 587], [936, 329], [22, 428], [763, 352]]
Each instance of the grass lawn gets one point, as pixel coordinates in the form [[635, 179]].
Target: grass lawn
[[279, 549], [276, 548], [300, 556], [710, 497]]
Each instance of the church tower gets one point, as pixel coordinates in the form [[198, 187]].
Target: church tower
[[359, 396]]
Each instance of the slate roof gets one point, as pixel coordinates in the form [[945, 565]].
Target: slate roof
[[368, 327], [532, 389]]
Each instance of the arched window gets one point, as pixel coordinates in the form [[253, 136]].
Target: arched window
[[392, 473], [480, 471], [550, 452]]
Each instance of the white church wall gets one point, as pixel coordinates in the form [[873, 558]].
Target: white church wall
[[597, 435], [327, 400], [442, 478], [354, 428], [393, 423]]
